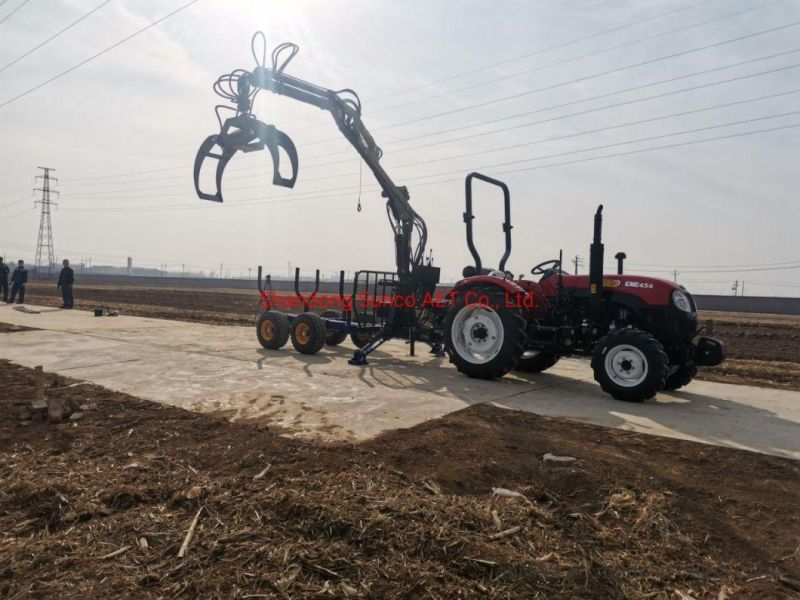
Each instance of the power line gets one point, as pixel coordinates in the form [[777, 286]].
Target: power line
[[326, 194], [562, 62], [98, 54], [54, 36], [5, 206], [493, 65], [576, 80], [555, 155], [551, 119], [543, 50], [595, 75], [600, 108], [603, 146], [592, 131], [8, 16], [788, 262]]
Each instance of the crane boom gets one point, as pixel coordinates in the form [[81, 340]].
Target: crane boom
[[245, 132]]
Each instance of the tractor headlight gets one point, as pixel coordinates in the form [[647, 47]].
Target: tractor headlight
[[681, 301]]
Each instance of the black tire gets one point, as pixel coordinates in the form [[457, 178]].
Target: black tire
[[334, 338], [654, 364], [272, 330], [308, 333], [683, 376], [360, 339], [513, 330], [540, 360]]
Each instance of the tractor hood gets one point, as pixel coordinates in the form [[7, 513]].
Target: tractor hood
[[654, 291]]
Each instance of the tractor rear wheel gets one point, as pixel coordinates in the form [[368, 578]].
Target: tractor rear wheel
[[630, 364], [683, 376], [334, 338], [536, 361], [272, 329], [308, 333], [484, 336]]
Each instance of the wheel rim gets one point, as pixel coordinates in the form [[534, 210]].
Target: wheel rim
[[267, 330], [626, 365], [303, 333], [477, 333]]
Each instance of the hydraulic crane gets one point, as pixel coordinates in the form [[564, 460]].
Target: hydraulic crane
[[243, 131]]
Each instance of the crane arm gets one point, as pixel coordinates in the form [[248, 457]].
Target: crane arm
[[245, 132]]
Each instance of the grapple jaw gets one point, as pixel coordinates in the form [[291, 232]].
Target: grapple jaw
[[246, 133]]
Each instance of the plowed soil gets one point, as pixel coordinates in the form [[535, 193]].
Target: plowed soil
[[100, 507], [763, 350]]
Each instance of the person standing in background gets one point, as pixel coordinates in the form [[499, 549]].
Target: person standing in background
[[18, 280], [66, 279], [4, 279]]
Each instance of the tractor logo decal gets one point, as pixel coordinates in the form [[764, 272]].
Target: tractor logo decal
[[611, 283], [642, 285]]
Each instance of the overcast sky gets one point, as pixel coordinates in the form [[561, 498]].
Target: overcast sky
[[122, 132]]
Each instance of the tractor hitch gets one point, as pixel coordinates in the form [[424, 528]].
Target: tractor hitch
[[246, 133]]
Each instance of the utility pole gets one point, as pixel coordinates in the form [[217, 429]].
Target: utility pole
[[675, 275], [44, 242], [742, 288], [735, 287], [578, 262]]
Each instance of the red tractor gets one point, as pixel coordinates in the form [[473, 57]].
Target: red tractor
[[641, 332]]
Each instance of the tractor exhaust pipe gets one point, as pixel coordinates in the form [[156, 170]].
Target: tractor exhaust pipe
[[596, 264], [620, 256]]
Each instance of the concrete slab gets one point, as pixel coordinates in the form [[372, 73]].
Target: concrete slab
[[223, 370]]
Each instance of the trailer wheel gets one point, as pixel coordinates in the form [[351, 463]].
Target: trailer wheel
[[308, 333], [334, 338], [683, 376], [484, 337], [272, 330], [630, 364], [536, 361]]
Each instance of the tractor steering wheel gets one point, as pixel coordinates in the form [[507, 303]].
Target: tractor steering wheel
[[551, 266]]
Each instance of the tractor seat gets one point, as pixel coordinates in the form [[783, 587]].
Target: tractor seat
[[471, 271]]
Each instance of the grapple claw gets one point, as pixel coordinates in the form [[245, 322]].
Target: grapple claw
[[274, 139], [245, 133], [222, 159]]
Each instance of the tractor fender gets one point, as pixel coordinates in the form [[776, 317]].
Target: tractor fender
[[481, 280]]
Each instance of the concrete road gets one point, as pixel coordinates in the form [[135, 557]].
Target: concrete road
[[223, 370]]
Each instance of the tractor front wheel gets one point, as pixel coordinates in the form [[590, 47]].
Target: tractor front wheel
[[630, 364], [683, 376], [536, 361], [272, 330], [308, 333], [484, 337]]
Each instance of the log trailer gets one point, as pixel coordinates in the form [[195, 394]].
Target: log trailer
[[640, 332]]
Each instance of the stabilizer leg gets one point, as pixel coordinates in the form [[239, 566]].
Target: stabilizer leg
[[360, 355]]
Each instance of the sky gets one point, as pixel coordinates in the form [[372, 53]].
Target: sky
[[572, 104]]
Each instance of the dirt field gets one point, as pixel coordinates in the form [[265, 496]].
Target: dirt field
[[101, 506], [764, 350]]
